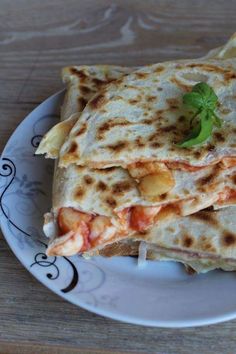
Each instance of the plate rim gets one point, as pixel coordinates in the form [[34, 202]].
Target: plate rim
[[99, 310]]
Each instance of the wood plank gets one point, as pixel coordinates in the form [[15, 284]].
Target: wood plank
[[37, 38], [25, 348]]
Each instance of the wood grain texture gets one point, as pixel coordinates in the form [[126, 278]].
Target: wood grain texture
[[37, 38]]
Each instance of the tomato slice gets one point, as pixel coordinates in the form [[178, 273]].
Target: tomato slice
[[70, 219], [228, 162], [228, 196], [142, 217], [98, 226]]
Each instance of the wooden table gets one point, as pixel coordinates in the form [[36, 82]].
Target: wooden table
[[37, 38]]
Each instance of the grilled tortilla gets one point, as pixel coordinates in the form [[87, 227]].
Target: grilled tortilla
[[140, 118], [96, 207], [109, 200], [204, 241], [83, 82], [113, 193]]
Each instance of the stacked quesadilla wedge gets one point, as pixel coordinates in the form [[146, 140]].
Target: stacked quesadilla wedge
[[106, 194]]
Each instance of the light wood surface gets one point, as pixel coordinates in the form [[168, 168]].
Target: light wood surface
[[37, 38]]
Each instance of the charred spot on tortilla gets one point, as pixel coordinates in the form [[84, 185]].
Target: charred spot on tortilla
[[203, 238], [79, 169], [180, 84], [80, 73], [163, 196], [208, 67], [159, 113], [181, 119], [147, 121], [228, 239], [173, 103], [146, 106], [121, 187], [88, 179], [141, 75], [73, 148], [152, 137], [82, 102], [168, 129], [98, 82], [219, 137], [206, 217], [103, 128], [187, 241], [101, 186], [197, 154], [133, 101], [210, 147], [118, 146], [151, 98], [224, 110], [118, 82], [112, 123], [79, 193], [85, 90], [186, 192], [139, 143], [82, 130], [117, 98], [111, 202], [97, 102], [159, 69], [208, 247], [206, 180], [233, 179], [229, 76], [154, 145]]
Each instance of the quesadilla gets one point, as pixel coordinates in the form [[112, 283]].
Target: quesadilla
[[204, 241], [136, 122], [92, 208], [83, 82], [102, 206], [109, 200], [227, 51]]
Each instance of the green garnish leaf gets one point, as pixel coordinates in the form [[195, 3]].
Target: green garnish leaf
[[201, 132], [204, 101]]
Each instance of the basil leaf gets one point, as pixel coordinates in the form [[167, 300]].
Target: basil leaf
[[193, 99], [207, 94], [204, 101], [201, 132]]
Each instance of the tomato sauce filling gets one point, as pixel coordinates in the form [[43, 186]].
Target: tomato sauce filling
[[225, 162], [227, 197], [95, 229]]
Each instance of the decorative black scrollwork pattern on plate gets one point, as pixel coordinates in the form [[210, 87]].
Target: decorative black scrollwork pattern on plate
[[42, 260], [8, 170], [36, 140]]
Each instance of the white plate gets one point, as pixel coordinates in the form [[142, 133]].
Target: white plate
[[160, 294]]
